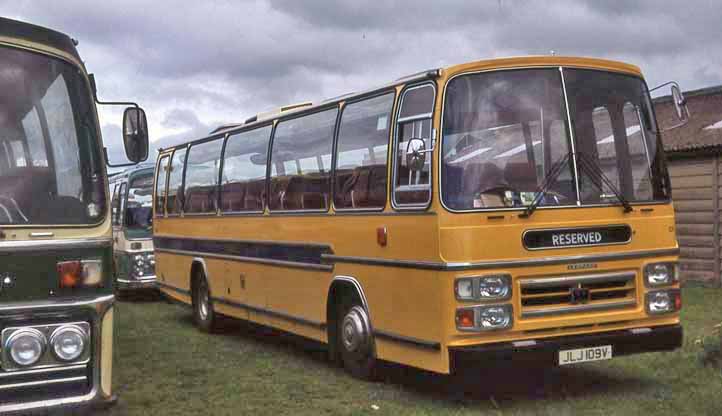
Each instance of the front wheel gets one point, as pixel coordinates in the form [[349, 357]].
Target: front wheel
[[355, 342], [203, 313]]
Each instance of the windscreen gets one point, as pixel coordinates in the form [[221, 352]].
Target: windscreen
[[50, 168], [615, 130], [507, 133], [503, 131], [139, 205]]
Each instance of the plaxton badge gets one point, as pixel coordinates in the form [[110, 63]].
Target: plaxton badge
[[576, 237]]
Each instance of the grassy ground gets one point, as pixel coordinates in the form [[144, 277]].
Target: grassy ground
[[164, 366]]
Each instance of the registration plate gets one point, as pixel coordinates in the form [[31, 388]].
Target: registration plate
[[583, 355]]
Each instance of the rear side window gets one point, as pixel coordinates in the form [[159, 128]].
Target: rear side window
[[362, 150], [413, 187], [243, 182], [160, 189], [174, 202], [301, 159], [201, 184]]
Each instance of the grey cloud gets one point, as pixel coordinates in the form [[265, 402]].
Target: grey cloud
[[191, 64]]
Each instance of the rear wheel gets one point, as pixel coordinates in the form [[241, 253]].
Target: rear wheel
[[203, 312], [355, 341]]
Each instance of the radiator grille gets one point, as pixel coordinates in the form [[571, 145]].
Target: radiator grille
[[44, 384], [551, 296]]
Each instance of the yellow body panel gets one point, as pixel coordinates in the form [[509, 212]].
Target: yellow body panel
[[418, 302]]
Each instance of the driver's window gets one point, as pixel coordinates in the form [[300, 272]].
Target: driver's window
[[412, 187]]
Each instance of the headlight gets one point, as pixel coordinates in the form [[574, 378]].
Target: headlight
[[484, 318], [143, 264], [68, 343], [663, 301], [26, 346], [492, 287], [660, 274]]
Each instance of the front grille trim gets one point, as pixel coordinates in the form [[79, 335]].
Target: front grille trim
[[549, 296]]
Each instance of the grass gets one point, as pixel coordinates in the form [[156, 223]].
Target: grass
[[164, 366]]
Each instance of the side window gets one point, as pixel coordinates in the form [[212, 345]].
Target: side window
[[413, 187], [362, 147], [243, 182], [301, 154], [115, 204], [121, 207], [160, 189], [174, 202], [201, 184]]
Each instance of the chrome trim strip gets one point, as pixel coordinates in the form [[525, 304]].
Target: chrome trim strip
[[280, 263], [577, 308], [233, 240], [43, 371], [542, 261], [589, 278], [270, 312], [390, 336], [43, 383], [15, 246], [173, 288], [14, 308]]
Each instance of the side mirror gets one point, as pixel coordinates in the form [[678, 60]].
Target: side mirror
[[679, 102], [135, 134], [416, 154]]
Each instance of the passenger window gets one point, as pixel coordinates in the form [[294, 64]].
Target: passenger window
[[243, 182], [18, 150], [160, 189], [201, 184], [362, 148], [413, 187], [115, 204], [299, 147], [174, 202]]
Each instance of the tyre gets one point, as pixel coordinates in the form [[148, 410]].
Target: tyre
[[355, 341], [203, 313]]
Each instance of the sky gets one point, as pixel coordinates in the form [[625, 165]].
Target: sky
[[194, 65]]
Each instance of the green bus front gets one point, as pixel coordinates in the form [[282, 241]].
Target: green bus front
[[56, 292]]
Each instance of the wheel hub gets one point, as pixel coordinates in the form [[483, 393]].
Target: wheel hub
[[355, 330]]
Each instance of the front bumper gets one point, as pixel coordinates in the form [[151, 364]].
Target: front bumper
[[19, 395], [545, 352], [150, 282]]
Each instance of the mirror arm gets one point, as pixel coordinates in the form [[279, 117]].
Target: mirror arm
[[119, 165], [97, 101]]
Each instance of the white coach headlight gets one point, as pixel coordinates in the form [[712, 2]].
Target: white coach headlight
[[660, 274], [495, 287], [68, 343], [26, 346]]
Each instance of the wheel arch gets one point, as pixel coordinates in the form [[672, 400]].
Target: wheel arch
[[339, 285], [198, 265]]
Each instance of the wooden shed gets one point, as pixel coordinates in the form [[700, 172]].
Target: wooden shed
[[693, 153]]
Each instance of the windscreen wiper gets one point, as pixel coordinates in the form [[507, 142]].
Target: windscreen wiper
[[599, 179], [554, 172]]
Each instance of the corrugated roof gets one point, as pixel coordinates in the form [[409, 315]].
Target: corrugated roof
[[705, 106]]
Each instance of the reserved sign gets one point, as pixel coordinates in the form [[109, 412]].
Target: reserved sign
[[576, 237]]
